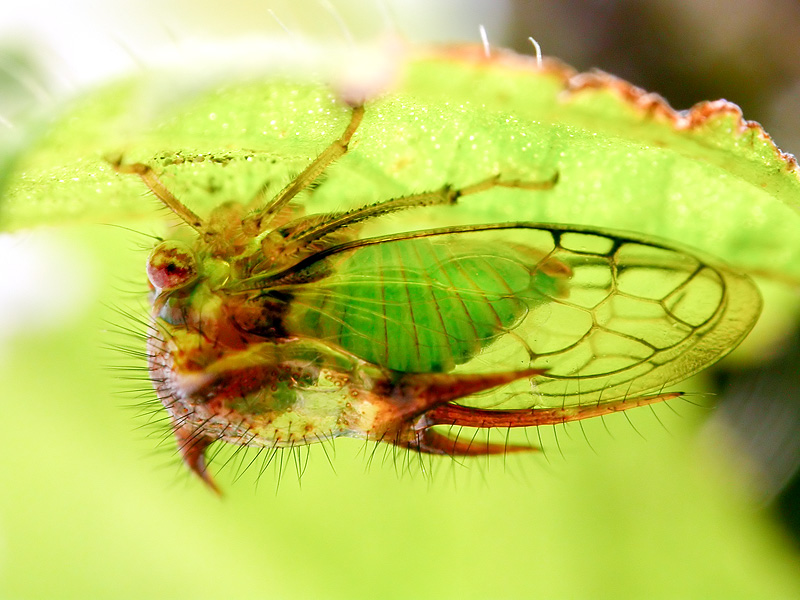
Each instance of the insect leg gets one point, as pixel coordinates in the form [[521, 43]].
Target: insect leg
[[259, 221], [420, 394], [432, 442], [443, 196], [161, 192], [454, 414]]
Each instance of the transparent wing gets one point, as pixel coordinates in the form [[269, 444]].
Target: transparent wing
[[607, 315]]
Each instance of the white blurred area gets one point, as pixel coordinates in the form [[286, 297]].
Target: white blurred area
[[84, 42], [47, 280]]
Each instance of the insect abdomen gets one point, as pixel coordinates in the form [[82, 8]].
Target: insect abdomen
[[420, 306]]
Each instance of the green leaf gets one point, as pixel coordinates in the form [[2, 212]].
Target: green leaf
[[706, 177], [665, 517]]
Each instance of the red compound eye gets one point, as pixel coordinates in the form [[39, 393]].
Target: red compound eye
[[171, 265]]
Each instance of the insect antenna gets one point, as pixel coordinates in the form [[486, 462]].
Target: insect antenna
[[136, 231]]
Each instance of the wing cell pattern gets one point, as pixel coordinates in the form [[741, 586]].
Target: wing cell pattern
[[605, 314]]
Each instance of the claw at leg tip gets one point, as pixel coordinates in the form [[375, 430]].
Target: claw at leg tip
[[192, 448]]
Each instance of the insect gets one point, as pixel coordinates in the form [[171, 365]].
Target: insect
[[274, 328]]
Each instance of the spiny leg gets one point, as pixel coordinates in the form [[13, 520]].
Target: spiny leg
[[430, 441], [161, 192], [259, 221], [255, 221], [455, 415], [427, 392], [443, 196]]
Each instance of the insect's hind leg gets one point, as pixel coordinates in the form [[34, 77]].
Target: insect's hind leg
[[465, 416], [430, 441]]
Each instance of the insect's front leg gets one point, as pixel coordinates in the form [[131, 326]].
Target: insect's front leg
[[155, 185], [260, 220]]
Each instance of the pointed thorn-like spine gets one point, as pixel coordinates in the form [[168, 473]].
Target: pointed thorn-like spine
[[192, 445]]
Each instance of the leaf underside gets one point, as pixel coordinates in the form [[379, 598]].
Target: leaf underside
[[614, 281]]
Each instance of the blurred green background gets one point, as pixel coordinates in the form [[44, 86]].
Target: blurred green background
[[696, 500]]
